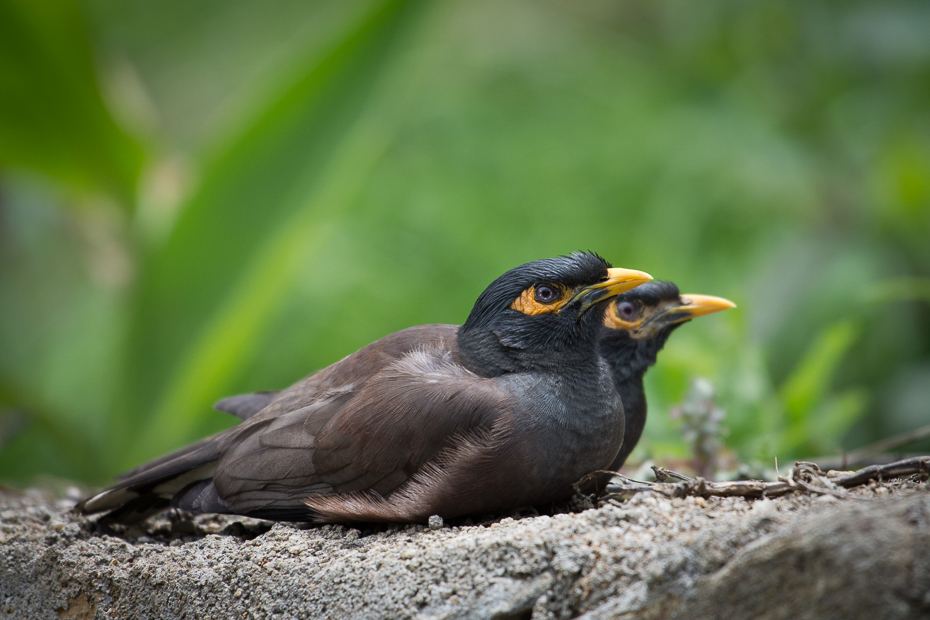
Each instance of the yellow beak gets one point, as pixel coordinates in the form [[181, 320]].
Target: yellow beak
[[699, 305], [618, 281]]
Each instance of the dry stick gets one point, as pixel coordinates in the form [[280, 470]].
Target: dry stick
[[663, 474], [878, 448], [802, 477], [889, 444], [907, 467], [594, 474], [804, 474]]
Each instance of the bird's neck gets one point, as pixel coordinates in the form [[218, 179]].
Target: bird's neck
[[633, 396], [486, 353], [629, 357]]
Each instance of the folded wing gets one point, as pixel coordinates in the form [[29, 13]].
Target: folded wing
[[373, 440]]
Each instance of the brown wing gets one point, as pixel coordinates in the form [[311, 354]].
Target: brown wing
[[244, 406], [372, 438], [408, 414], [270, 454]]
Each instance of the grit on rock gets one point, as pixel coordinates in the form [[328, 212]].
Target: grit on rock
[[792, 557]]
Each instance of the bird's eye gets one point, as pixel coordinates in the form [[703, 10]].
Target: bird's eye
[[540, 299], [546, 294], [626, 311]]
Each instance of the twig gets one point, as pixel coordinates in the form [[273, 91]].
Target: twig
[[864, 453], [806, 477], [619, 475], [705, 488], [592, 476], [896, 441], [899, 469], [663, 474]]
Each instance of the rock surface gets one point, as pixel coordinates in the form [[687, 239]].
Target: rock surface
[[649, 557]]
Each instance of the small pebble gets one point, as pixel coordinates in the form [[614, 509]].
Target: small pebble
[[436, 522]]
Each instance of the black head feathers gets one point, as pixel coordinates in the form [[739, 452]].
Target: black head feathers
[[540, 313], [575, 270]]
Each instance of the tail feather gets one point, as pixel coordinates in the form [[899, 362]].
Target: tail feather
[[156, 482], [136, 510], [171, 456], [200, 497]]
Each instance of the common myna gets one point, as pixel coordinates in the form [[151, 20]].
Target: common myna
[[636, 326], [507, 410]]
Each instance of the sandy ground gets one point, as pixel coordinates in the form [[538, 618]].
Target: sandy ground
[[797, 556]]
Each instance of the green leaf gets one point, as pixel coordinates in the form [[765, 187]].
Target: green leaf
[[836, 417], [266, 201], [52, 116], [65, 445], [809, 383], [899, 289]]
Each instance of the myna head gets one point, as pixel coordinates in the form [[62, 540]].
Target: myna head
[[637, 323], [538, 313]]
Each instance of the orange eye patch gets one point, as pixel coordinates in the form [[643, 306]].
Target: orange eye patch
[[613, 321], [527, 303]]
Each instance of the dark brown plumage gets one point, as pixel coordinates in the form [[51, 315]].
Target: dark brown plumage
[[508, 410]]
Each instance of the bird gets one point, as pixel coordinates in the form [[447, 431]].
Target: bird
[[505, 411], [637, 325]]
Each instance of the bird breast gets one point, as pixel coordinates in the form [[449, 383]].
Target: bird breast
[[571, 425]]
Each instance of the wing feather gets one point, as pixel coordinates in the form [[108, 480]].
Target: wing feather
[[374, 438], [244, 406]]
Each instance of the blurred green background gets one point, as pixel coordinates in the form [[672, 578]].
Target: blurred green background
[[204, 198]]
